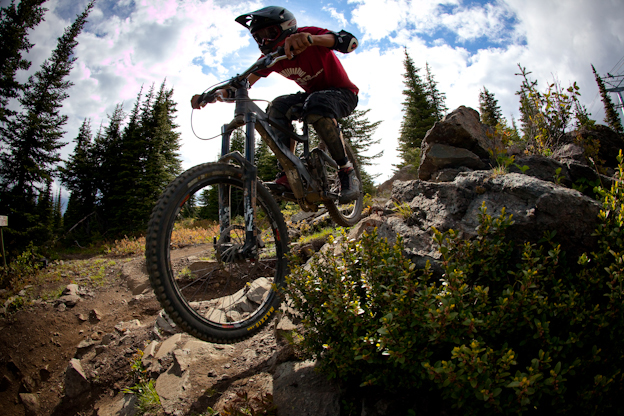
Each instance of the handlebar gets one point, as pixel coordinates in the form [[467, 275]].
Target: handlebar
[[263, 63]]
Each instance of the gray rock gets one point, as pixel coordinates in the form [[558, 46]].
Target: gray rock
[[121, 405], [536, 206], [72, 290], [258, 290], [168, 346], [31, 403], [68, 300], [124, 327], [95, 316], [76, 381], [298, 390], [459, 139]]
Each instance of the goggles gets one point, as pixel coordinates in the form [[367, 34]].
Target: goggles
[[267, 34]]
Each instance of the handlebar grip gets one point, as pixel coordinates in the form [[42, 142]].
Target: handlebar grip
[[207, 98]]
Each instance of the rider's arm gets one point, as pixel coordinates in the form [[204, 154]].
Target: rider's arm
[[252, 78], [220, 95], [298, 42]]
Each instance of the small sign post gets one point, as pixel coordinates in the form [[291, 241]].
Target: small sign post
[[4, 222]]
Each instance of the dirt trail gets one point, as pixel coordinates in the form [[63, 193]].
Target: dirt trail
[[37, 342]]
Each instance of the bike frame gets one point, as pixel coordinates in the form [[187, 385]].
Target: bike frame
[[308, 189]]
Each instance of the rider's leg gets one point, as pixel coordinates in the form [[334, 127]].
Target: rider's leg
[[278, 111], [322, 109], [328, 130]]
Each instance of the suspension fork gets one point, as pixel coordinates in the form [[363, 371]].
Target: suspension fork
[[250, 190], [250, 174], [224, 190]]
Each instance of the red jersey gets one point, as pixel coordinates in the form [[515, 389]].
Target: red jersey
[[315, 69]]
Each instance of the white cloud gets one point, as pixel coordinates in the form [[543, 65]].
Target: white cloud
[[128, 44], [472, 23], [336, 15]]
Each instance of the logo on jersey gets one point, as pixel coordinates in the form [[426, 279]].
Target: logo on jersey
[[299, 75]]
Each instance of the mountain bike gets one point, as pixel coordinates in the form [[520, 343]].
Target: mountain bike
[[226, 288]]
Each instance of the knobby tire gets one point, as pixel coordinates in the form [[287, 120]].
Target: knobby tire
[[213, 299], [346, 215]]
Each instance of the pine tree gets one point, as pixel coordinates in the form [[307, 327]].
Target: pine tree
[[266, 162], [34, 135], [15, 22], [358, 131], [32, 138], [107, 153], [162, 160], [79, 176], [490, 111], [436, 98], [125, 193], [611, 116], [419, 115], [58, 214], [45, 214]]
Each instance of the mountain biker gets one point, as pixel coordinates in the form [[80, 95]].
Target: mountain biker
[[327, 95]]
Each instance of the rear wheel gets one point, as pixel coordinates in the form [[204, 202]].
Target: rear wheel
[[345, 215], [195, 265]]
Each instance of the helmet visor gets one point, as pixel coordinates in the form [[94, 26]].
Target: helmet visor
[[267, 34]]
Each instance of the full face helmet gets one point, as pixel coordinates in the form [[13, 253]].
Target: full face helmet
[[269, 26]]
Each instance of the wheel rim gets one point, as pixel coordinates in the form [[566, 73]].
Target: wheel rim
[[222, 291]]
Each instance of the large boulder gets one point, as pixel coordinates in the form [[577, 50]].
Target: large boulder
[[459, 139], [537, 206]]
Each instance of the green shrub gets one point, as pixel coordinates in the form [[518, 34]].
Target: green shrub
[[24, 267], [511, 330]]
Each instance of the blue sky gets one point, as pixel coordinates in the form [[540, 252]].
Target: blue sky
[[193, 44]]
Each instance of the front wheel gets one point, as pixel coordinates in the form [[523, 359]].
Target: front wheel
[[193, 247], [345, 215]]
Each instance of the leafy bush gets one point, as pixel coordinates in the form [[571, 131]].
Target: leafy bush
[[512, 330], [27, 264]]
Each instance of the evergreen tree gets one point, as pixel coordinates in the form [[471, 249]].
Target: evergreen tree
[[15, 22], [161, 162], [34, 135], [611, 116], [32, 138], [358, 131], [436, 98], [125, 194], [266, 162], [107, 153], [162, 158], [488, 107], [208, 204], [419, 115], [45, 213], [137, 161], [79, 176], [208, 201], [58, 214], [237, 141]]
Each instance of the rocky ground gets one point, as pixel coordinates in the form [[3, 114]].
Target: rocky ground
[[73, 354]]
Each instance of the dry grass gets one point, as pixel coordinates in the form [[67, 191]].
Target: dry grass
[[183, 235]]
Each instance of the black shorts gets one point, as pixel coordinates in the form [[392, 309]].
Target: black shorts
[[333, 103]]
